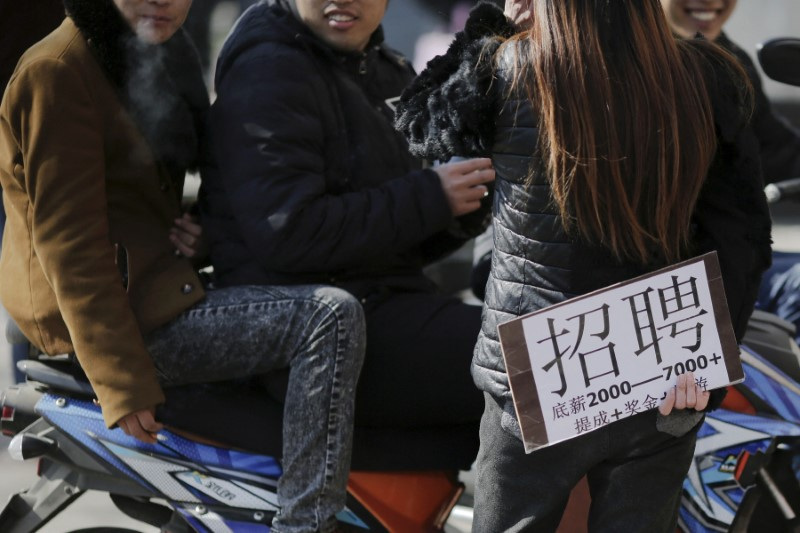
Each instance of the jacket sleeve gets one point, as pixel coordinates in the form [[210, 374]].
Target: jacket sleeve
[[732, 216], [273, 157], [59, 130]]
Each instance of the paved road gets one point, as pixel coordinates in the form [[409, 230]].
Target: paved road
[[90, 510]]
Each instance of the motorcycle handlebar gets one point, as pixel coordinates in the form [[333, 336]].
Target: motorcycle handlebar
[[782, 190]]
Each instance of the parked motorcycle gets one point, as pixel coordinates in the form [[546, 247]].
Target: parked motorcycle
[[403, 480]]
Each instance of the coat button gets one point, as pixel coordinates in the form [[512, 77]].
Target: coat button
[[164, 186], [187, 288]]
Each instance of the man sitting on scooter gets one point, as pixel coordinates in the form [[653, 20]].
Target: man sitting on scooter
[[313, 184], [98, 125], [779, 141]]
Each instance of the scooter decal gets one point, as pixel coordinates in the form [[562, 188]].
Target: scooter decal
[[718, 435], [772, 427], [771, 385], [230, 493], [183, 471], [83, 422], [711, 493]]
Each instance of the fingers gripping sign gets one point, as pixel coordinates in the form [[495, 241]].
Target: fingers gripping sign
[[464, 183], [685, 395]]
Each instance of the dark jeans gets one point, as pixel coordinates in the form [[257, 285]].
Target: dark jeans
[[318, 332], [635, 476], [417, 369]]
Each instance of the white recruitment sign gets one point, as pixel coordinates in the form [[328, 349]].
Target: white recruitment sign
[[599, 358]]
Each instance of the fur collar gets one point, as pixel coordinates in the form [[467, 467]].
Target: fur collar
[[449, 109], [161, 86]]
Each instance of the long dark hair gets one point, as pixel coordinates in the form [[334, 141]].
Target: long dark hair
[[626, 126]]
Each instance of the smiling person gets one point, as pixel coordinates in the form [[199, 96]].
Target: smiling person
[[779, 141], [98, 126], [312, 184], [690, 17]]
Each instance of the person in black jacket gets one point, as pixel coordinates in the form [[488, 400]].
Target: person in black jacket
[[778, 140], [618, 151], [779, 146], [312, 184]]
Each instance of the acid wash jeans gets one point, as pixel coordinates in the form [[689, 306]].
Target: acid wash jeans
[[316, 331]]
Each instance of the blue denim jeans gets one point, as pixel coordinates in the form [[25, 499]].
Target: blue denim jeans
[[318, 333], [635, 476]]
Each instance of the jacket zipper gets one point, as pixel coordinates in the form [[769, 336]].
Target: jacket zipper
[[362, 66]]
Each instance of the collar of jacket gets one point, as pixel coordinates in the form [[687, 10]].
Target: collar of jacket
[[460, 83], [160, 85], [107, 33], [724, 41]]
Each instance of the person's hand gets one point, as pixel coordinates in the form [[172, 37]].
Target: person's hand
[[519, 12], [187, 237], [141, 425], [463, 183], [685, 395]]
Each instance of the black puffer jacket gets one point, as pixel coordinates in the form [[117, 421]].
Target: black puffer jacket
[[312, 184], [535, 263]]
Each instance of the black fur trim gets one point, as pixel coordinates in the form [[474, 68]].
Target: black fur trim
[[449, 109], [486, 20], [161, 86], [102, 25]]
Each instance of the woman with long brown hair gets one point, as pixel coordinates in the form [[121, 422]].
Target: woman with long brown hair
[[618, 150]]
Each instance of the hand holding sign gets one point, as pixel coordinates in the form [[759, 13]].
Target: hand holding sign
[[686, 394], [663, 341]]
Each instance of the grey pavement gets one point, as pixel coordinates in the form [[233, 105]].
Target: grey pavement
[[89, 511]]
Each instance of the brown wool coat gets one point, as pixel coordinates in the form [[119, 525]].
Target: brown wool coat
[[79, 182]]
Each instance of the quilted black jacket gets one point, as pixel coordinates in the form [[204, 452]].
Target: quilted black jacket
[[535, 263]]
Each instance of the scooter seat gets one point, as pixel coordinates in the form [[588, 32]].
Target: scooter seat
[[58, 372], [248, 414]]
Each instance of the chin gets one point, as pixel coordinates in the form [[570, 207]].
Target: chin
[[152, 36]]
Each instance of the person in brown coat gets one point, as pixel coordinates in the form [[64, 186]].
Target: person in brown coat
[[22, 23], [99, 123]]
